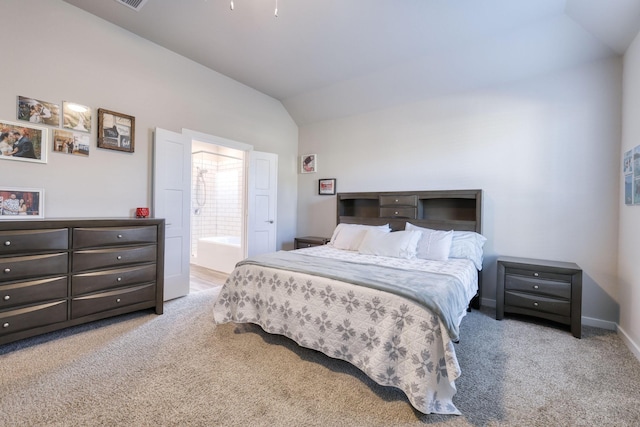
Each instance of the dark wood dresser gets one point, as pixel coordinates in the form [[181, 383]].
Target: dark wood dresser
[[64, 272], [550, 290]]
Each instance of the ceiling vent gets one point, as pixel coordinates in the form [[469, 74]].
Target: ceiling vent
[[133, 4]]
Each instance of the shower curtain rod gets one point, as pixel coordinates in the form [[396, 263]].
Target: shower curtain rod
[[216, 154]]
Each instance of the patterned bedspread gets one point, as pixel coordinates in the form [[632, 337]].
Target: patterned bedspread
[[394, 340]]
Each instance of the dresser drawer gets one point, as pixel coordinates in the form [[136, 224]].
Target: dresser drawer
[[397, 212], [538, 286], [108, 279], [96, 303], [111, 236], [21, 241], [32, 317], [537, 303], [32, 291], [105, 258], [398, 200], [25, 267]]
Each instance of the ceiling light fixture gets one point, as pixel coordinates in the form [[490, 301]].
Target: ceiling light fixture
[[275, 13]]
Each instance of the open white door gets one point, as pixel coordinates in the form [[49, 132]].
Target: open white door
[[171, 201], [262, 196]]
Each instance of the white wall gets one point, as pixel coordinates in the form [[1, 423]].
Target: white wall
[[629, 250], [544, 151], [53, 51]]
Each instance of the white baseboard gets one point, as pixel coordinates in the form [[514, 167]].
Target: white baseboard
[[599, 323], [634, 347]]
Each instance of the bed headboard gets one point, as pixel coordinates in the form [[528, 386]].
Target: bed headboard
[[439, 210]]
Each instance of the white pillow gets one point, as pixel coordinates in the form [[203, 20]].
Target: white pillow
[[468, 245], [349, 236], [434, 244], [398, 244]]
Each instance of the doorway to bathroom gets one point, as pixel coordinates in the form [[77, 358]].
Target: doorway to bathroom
[[217, 206]]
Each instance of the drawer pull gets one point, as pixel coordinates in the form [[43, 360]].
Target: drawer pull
[[535, 304], [536, 274], [119, 257], [5, 325], [119, 236], [6, 298], [7, 270], [119, 279], [118, 300], [536, 287], [7, 243], [396, 212]]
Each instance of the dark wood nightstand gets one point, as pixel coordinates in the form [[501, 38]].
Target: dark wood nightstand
[[550, 290], [308, 241]]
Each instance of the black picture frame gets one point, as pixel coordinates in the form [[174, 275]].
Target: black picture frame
[[327, 187], [116, 131]]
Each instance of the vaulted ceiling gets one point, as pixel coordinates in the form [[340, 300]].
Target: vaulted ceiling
[[325, 59]]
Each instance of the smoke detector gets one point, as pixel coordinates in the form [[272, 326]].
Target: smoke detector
[[133, 4]]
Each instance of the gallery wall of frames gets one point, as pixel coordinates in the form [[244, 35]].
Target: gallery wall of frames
[[65, 128]]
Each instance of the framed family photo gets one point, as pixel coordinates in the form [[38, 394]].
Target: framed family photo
[[21, 203], [309, 163], [38, 112], [68, 142], [115, 131], [76, 117], [22, 142], [327, 187]]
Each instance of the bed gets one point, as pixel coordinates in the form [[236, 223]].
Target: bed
[[387, 294]]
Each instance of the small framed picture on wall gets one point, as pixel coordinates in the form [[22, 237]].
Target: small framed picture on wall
[[309, 163], [327, 187]]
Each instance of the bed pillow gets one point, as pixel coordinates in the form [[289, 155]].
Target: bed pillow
[[397, 244], [468, 245], [434, 244], [349, 236]]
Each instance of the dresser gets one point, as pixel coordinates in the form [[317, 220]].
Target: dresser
[[545, 289], [64, 272], [309, 241]]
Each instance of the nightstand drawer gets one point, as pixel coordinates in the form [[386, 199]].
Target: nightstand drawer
[[396, 212], [538, 303], [398, 200], [538, 274], [537, 286], [309, 241]]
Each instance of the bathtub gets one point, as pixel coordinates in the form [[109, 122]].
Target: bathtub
[[219, 253]]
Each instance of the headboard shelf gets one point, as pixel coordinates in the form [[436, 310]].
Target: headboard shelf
[[442, 210]]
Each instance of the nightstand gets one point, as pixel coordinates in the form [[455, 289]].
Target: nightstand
[[308, 241], [549, 290]]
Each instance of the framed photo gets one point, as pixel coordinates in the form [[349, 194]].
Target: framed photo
[[21, 203], [67, 142], [309, 163], [327, 187], [38, 112], [22, 142], [115, 131], [76, 117]]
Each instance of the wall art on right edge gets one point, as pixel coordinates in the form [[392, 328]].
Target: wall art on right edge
[[627, 170], [636, 175]]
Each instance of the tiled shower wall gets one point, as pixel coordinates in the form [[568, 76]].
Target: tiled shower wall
[[216, 210]]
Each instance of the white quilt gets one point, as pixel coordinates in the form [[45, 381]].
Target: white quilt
[[393, 340]]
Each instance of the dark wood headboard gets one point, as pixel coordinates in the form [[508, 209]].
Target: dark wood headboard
[[440, 210]]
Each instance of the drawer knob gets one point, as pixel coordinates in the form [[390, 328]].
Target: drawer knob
[[6, 298], [536, 287], [5, 325], [119, 236], [7, 270], [119, 257], [536, 274], [535, 304], [396, 213], [118, 300], [7, 243], [119, 279]]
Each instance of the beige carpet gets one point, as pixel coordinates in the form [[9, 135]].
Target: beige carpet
[[180, 369]]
